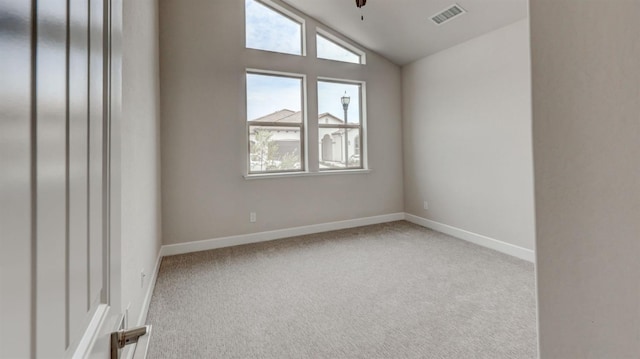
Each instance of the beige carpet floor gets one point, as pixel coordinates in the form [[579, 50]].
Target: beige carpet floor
[[392, 290]]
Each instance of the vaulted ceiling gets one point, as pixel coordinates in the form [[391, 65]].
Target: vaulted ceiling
[[402, 30]]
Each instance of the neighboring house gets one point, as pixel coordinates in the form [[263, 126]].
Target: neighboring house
[[331, 140], [286, 137]]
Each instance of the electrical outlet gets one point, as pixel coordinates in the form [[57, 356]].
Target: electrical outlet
[[426, 205], [252, 217], [142, 276]]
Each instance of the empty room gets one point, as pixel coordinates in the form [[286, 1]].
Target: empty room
[[319, 179]]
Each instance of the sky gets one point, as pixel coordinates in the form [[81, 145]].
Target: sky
[[330, 50], [329, 100], [268, 30], [267, 94]]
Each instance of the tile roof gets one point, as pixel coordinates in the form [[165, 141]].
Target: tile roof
[[284, 115], [288, 116]]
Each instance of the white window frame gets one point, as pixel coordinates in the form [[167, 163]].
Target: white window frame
[[304, 157], [310, 166], [364, 163], [342, 43]]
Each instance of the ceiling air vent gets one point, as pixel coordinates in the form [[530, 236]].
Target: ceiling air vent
[[448, 14]]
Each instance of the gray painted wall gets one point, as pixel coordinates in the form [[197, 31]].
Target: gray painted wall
[[140, 223], [467, 136], [204, 194], [586, 138]]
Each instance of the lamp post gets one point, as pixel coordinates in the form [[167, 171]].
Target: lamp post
[[345, 106]]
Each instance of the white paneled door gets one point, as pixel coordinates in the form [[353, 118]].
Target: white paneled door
[[59, 188]]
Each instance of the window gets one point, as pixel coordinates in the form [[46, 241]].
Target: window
[[332, 50], [276, 119], [272, 28], [275, 122], [339, 125]]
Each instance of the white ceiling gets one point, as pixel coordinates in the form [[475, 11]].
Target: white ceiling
[[401, 30]]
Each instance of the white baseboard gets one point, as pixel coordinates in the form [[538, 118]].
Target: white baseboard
[[196, 246], [221, 242], [140, 351], [142, 318], [500, 246]]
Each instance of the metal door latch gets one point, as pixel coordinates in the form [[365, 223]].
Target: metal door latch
[[121, 338]]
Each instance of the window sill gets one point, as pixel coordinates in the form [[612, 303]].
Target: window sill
[[305, 174]]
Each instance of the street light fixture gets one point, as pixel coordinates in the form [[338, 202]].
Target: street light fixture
[[345, 106]]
